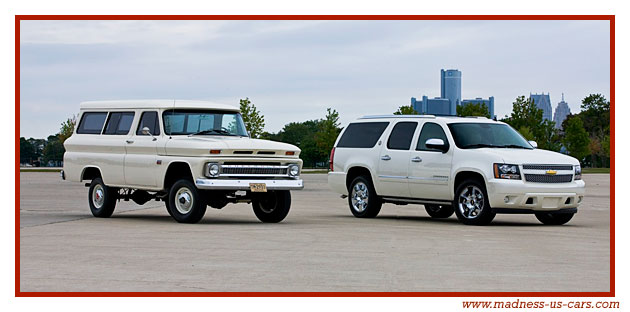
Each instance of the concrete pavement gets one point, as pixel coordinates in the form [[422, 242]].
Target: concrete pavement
[[319, 247]]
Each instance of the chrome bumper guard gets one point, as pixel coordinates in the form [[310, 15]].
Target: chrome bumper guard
[[238, 185]]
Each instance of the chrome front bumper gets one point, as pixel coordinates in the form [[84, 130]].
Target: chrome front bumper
[[238, 185]]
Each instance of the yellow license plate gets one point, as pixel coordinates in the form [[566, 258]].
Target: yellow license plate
[[258, 187]]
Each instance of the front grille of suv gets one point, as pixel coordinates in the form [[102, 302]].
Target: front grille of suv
[[545, 178], [547, 167]]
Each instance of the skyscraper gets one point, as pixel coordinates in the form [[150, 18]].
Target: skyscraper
[[451, 87], [543, 102], [561, 113]]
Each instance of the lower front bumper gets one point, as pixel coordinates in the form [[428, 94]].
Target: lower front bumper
[[518, 195], [243, 185]]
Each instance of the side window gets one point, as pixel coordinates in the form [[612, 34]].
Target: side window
[[91, 123], [119, 123], [400, 138], [149, 119], [431, 131], [362, 134]]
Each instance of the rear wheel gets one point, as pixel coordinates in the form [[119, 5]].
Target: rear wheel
[[102, 198], [551, 218], [272, 207], [185, 203], [362, 199], [439, 211], [471, 203]]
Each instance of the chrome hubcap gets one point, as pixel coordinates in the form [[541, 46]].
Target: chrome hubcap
[[471, 202], [98, 196], [360, 197], [183, 200]]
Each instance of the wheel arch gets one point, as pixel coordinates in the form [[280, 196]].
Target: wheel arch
[[176, 170], [356, 171], [467, 173], [90, 173]]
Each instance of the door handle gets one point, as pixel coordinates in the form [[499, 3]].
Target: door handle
[[416, 159], [129, 141], [386, 157]]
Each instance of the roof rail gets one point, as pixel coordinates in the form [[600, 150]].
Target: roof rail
[[397, 116]]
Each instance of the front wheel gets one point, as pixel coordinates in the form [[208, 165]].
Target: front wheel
[[102, 199], [272, 207], [471, 203], [185, 203], [551, 218], [437, 211]]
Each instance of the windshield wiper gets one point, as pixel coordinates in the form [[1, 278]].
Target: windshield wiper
[[515, 146], [480, 145], [210, 131]]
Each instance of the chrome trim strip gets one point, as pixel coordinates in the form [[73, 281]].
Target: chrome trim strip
[[219, 184], [416, 201], [392, 177]]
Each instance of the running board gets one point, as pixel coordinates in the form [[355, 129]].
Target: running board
[[421, 201]]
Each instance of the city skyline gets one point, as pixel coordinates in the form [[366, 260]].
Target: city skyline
[[294, 70]]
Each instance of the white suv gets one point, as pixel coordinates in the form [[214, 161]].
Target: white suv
[[474, 167], [189, 154]]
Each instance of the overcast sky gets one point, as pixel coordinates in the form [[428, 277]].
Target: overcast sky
[[294, 70]]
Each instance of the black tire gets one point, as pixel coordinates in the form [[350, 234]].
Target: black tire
[[191, 205], [482, 213], [360, 190], [550, 218], [439, 211], [272, 207], [168, 207], [102, 198]]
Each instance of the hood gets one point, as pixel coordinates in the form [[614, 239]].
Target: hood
[[232, 146], [519, 156]]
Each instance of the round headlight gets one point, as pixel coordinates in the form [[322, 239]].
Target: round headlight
[[213, 170], [294, 170]]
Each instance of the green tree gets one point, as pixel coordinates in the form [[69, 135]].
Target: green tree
[[53, 151], [406, 110], [576, 139], [595, 115], [27, 151], [527, 133], [327, 133], [67, 128], [473, 109], [253, 119], [525, 114]]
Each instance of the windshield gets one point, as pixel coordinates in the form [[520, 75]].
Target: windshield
[[476, 135], [203, 122]]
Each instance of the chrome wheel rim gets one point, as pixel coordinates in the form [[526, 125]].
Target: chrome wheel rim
[[360, 197], [98, 196], [471, 202], [183, 200]]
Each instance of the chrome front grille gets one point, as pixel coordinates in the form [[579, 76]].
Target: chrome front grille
[[546, 178], [547, 167], [251, 170]]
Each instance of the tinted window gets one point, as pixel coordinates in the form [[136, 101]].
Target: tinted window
[[118, 123], [400, 138], [431, 131], [479, 135], [362, 135], [91, 123], [150, 120]]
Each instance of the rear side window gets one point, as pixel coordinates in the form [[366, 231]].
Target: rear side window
[[400, 138], [362, 134], [91, 123], [118, 123], [431, 131], [150, 120]]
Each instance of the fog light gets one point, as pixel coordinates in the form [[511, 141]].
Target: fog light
[[213, 170], [506, 199]]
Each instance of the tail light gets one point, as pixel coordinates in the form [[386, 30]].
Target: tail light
[[332, 158]]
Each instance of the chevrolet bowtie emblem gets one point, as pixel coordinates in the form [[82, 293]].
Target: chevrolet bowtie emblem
[[551, 172]]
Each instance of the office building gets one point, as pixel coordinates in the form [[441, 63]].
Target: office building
[[543, 102], [561, 113]]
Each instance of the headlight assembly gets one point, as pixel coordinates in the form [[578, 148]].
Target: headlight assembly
[[294, 170], [507, 171], [577, 172], [212, 170]]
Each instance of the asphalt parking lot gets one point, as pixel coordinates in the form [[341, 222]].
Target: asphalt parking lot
[[319, 247]]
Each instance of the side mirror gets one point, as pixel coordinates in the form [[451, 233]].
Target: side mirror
[[146, 131], [437, 144], [533, 144]]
